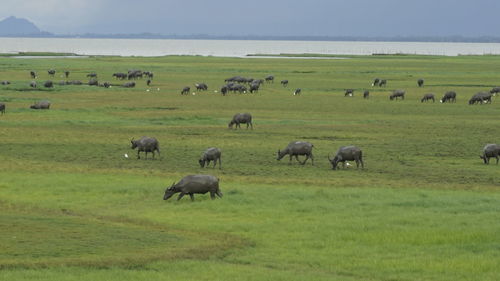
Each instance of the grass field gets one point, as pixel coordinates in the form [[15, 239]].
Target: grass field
[[425, 207]]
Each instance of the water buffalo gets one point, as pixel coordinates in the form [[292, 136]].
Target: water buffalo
[[284, 83], [347, 153], [254, 87], [33, 84], [2, 108], [211, 154], [269, 78], [129, 85], [5, 82], [397, 94], [376, 81], [185, 91], [296, 148], [66, 74], [349, 93], [449, 97], [241, 118], [382, 82], [199, 184], [33, 74], [495, 90], [48, 84], [92, 75], [74, 82], [146, 144], [223, 90], [120, 75], [41, 105], [297, 92], [93, 82], [105, 85], [427, 97], [148, 82], [201, 86], [481, 97], [420, 82], [133, 74], [51, 72], [489, 151], [366, 94]]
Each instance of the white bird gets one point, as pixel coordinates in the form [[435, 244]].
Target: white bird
[[347, 164], [194, 94], [147, 90], [158, 89], [126, 155]]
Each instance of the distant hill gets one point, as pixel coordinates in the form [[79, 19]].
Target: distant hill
[[13, 26]]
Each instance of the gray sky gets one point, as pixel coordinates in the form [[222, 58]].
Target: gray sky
[[263, 17]]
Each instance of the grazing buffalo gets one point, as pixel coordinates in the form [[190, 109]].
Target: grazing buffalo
[[254, 87], [41, 105], [223, 90], [382, 82], [146, 144], [495, 90], [347, 153], [481, 97], [241, 118], [129, 85], [120, 75], [93, 82], [5, 82], [489, 151], [149, 74], [397, 94], [296, 148], [105, 85], [199, 184], [376, 81], [33, 84], [2, 108], [284, 83], [449, 97], [349, 93], [269, 78], [201, 86], [211, 154], [366, 94], [75, 82], [33, 74], [66, 74], [185, 91], [133, 74], [297, 92], [48, 84], [51, 72], [427, 97], [92, 75], [420, 82], [148, 82]]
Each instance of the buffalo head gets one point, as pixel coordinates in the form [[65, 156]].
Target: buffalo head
[[169, 192]]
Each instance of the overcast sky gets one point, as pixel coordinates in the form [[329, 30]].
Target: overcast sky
[[262, 17]]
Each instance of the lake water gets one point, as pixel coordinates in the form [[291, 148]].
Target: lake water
[[235, 48]]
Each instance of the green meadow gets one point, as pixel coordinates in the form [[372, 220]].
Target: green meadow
[[425, 207]]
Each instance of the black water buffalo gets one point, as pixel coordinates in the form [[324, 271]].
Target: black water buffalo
[[269, 78], [201, 86], [284, 83], [420, 82], [349, 93], [297, 92], [347, 153], [129, 85], [296, 148], [5, 82], [254, 87], [93, 82], [146, 144], [2, 108], [105, 85], [366, 94], [185, 91], [495, 90], [120, 75], [211, 154], [51, 72], [397, 94], [92, 75], [376, 81], [41, 105], [133, 74], [148, 82], [33, 84], [223, 90], [427, 97], [194, 184], [48, 84], [33, 75], [481, 97], [449, 97], [489, 151], [382, 82], [66, 74], [241, 118]]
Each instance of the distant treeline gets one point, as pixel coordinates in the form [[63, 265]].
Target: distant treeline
[[463, 39]]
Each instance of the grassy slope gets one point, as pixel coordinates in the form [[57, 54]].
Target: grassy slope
[[424, 208]]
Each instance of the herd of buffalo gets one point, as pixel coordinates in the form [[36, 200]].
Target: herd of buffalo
[[196, 184]]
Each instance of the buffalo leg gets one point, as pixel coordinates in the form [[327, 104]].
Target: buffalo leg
[[212, 195], [192, 196], [138, 156], [180, 196], [290, 163], [218, 193], [297, 158], [497, 159], [220, 162], [312, 159], [153, 154], [305, 160], [146, 154], [215, 163]]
